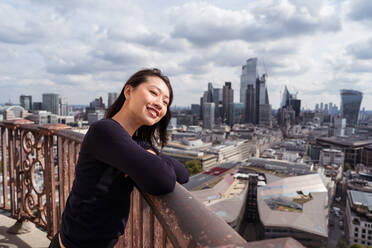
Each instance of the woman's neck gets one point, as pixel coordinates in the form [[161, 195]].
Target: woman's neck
[[126, 121]]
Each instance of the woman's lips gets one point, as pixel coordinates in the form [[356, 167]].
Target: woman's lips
[[154, 113]]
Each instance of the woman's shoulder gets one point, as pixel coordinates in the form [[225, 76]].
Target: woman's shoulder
[[106, 127]]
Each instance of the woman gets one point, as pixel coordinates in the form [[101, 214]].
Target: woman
[[117, 153]]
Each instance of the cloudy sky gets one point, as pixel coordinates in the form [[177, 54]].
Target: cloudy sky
[[83, 49]]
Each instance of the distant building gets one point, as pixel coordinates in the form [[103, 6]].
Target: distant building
[[332, 161], [250, 104], [63, 106], [208, 115], [218, 105], [195, 109], [51, 103], [248, 77], [289, 99], [227, 99], [263, 107], [37, 106], [43, 117], [95, 116], [338, 127], [350, 105], [13, 112], [26, 102], [236, 113], [367, 156], [112, 96], [352, 146]]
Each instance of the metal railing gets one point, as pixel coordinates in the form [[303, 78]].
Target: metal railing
[[37, 172]]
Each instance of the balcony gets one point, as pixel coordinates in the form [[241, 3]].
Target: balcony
[[37, 172]]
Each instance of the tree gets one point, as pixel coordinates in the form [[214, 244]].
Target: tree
[[347, 166], [193, 166], [356, 246], [342, 243]]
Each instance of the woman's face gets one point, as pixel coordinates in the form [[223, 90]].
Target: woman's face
[[148, 101]]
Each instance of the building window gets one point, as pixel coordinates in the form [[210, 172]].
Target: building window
[[363, 230], [369, 232], [368, 243], [356, 229], [363, 236], [369, 237], [355, 241], [363, 242]]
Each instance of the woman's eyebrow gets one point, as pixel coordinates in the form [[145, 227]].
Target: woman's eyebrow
[[154, 86]]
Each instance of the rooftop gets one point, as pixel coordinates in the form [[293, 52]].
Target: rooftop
[[313, 215], [353, 141]]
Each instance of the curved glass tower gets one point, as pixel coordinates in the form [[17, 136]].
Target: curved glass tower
[[350, 105]]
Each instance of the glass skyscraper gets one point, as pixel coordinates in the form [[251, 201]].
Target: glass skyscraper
[[248, 77], [350, 105]]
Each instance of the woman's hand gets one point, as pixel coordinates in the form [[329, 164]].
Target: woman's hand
[[151, 151]]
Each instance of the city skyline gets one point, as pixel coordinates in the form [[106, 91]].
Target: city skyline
[[83, 51]]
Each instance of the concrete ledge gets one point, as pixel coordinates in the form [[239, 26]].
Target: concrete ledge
[[34, 239]]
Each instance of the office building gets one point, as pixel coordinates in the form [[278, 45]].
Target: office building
[[358, 218], [217, 97], [250, 105], [195, 109], [263, 107], [63, 106], [236, 113], [51, 103], [227, 100], [26, 102], [208, 115], [112, 96], [37, 106], [350, 106], [248, 77]]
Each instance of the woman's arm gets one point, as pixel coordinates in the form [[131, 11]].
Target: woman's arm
[[110, 143], [181, 172]]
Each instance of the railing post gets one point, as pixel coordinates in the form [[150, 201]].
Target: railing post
[[48, 131], [5, 167], [14, 155]]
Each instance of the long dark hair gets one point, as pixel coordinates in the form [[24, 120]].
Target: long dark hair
[[158, 132]]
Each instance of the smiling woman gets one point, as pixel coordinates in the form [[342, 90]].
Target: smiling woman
[[117, 153]]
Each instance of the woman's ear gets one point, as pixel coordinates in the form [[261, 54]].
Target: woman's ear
[[127, 91]]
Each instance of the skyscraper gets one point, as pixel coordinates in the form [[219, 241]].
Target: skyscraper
[[51, 103], [26, 102], [227, 99], [208, 115], [263, 107], [289, 99], [350, 105], [111, 98], [63, 106], [250, 105], [248, 77]]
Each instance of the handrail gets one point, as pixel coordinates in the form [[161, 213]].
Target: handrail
[[28, 151]]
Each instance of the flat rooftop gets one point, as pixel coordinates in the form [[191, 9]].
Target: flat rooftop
[[310, 217], [352, 141]]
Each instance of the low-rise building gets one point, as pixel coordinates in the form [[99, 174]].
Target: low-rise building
[[359, 218], [281, 166], [296, 207]]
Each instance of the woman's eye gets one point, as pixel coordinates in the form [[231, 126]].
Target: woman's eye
[[153, 92], [165, 103]]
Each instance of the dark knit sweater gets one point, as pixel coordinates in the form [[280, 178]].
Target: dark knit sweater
[[97, 208]]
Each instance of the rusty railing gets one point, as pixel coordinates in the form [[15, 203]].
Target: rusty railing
[[37, 172]]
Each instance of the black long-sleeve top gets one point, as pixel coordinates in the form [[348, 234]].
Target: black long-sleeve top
[[97, 208]]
